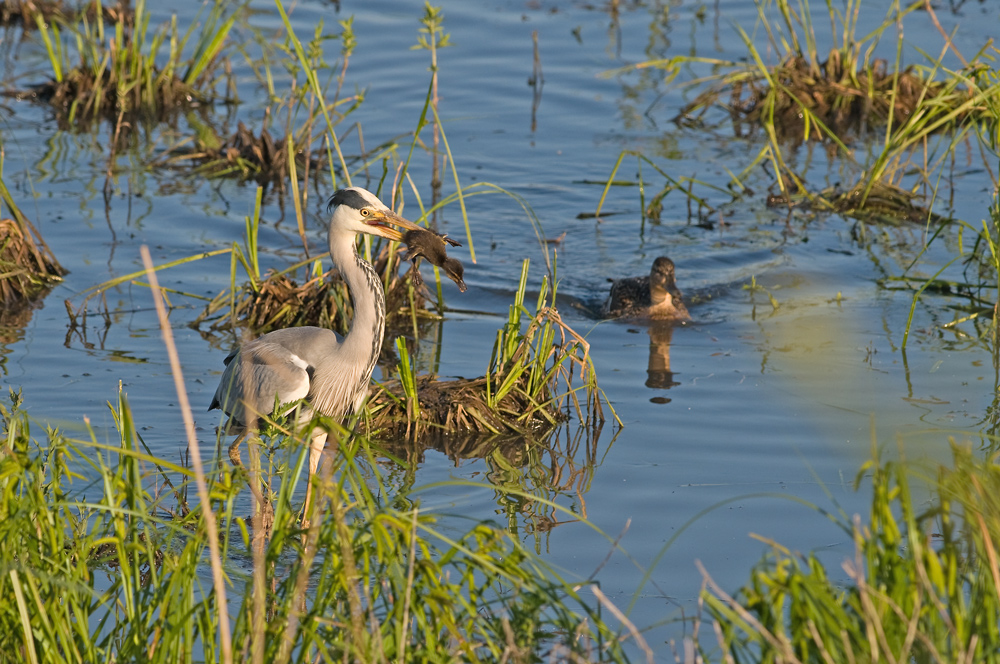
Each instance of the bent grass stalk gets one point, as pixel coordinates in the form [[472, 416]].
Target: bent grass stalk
[[208, 512]]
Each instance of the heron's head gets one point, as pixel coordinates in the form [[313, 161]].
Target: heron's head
[[358, 210]]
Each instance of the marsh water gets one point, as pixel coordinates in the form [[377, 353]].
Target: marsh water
[[733, 423]]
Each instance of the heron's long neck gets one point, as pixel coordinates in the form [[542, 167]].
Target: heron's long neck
[[364, 338]]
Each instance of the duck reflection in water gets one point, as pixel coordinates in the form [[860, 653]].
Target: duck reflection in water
[[657, 300]]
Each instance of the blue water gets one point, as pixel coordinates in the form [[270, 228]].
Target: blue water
[[771, 407]]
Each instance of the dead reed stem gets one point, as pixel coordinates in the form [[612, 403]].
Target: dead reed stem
[[211, 527]]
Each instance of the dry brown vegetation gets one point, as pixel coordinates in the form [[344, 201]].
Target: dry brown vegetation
[[27, 271], [27, 265], [84, 95], [529, 389], [278, 301], [26, 12], [884, 202], [844, 96], [23, 12], [249, 157], [458, 405]]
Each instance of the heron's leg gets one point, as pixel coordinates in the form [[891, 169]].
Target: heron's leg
[[316, 447], [234, 450], [263, 509]]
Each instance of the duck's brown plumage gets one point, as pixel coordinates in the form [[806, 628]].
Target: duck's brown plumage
[[430, 245], [655, 296]]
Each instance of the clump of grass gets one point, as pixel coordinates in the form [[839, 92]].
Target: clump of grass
[[923, 584], [805, 96], [923, 112], [876, 202], [27, 265], [24, 12], [123, 76], [106, 568], [529, 383], [276, 300], [247, 156]]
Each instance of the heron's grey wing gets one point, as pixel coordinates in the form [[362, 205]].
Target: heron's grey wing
[[339, 383], [256, 375]]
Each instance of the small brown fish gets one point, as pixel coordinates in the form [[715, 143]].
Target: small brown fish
[[431, 245]]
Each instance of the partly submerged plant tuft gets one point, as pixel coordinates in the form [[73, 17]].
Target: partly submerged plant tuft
[[529, 384]]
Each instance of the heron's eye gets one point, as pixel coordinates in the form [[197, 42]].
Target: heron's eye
[[365, 212]]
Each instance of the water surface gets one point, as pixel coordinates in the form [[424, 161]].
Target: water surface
[[765, 409]]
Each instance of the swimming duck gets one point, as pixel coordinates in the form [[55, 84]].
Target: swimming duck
[[655, 297]]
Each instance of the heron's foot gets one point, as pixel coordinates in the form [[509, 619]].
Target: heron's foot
[[262, 522], [267, 517]]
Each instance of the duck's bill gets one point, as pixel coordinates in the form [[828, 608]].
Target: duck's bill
[[383, 224]]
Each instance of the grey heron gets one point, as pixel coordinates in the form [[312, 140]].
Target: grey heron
[[430, 245], [330, 373], [655, 297]]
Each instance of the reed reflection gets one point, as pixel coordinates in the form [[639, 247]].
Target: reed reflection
[[540, 480]]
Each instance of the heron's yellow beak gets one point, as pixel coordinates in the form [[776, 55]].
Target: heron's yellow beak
[[379, 224]]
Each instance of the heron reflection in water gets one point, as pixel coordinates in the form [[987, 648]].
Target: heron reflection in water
[[330, 373], [655, 299]]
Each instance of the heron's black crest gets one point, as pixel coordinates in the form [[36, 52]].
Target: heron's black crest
[[348, 197]]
